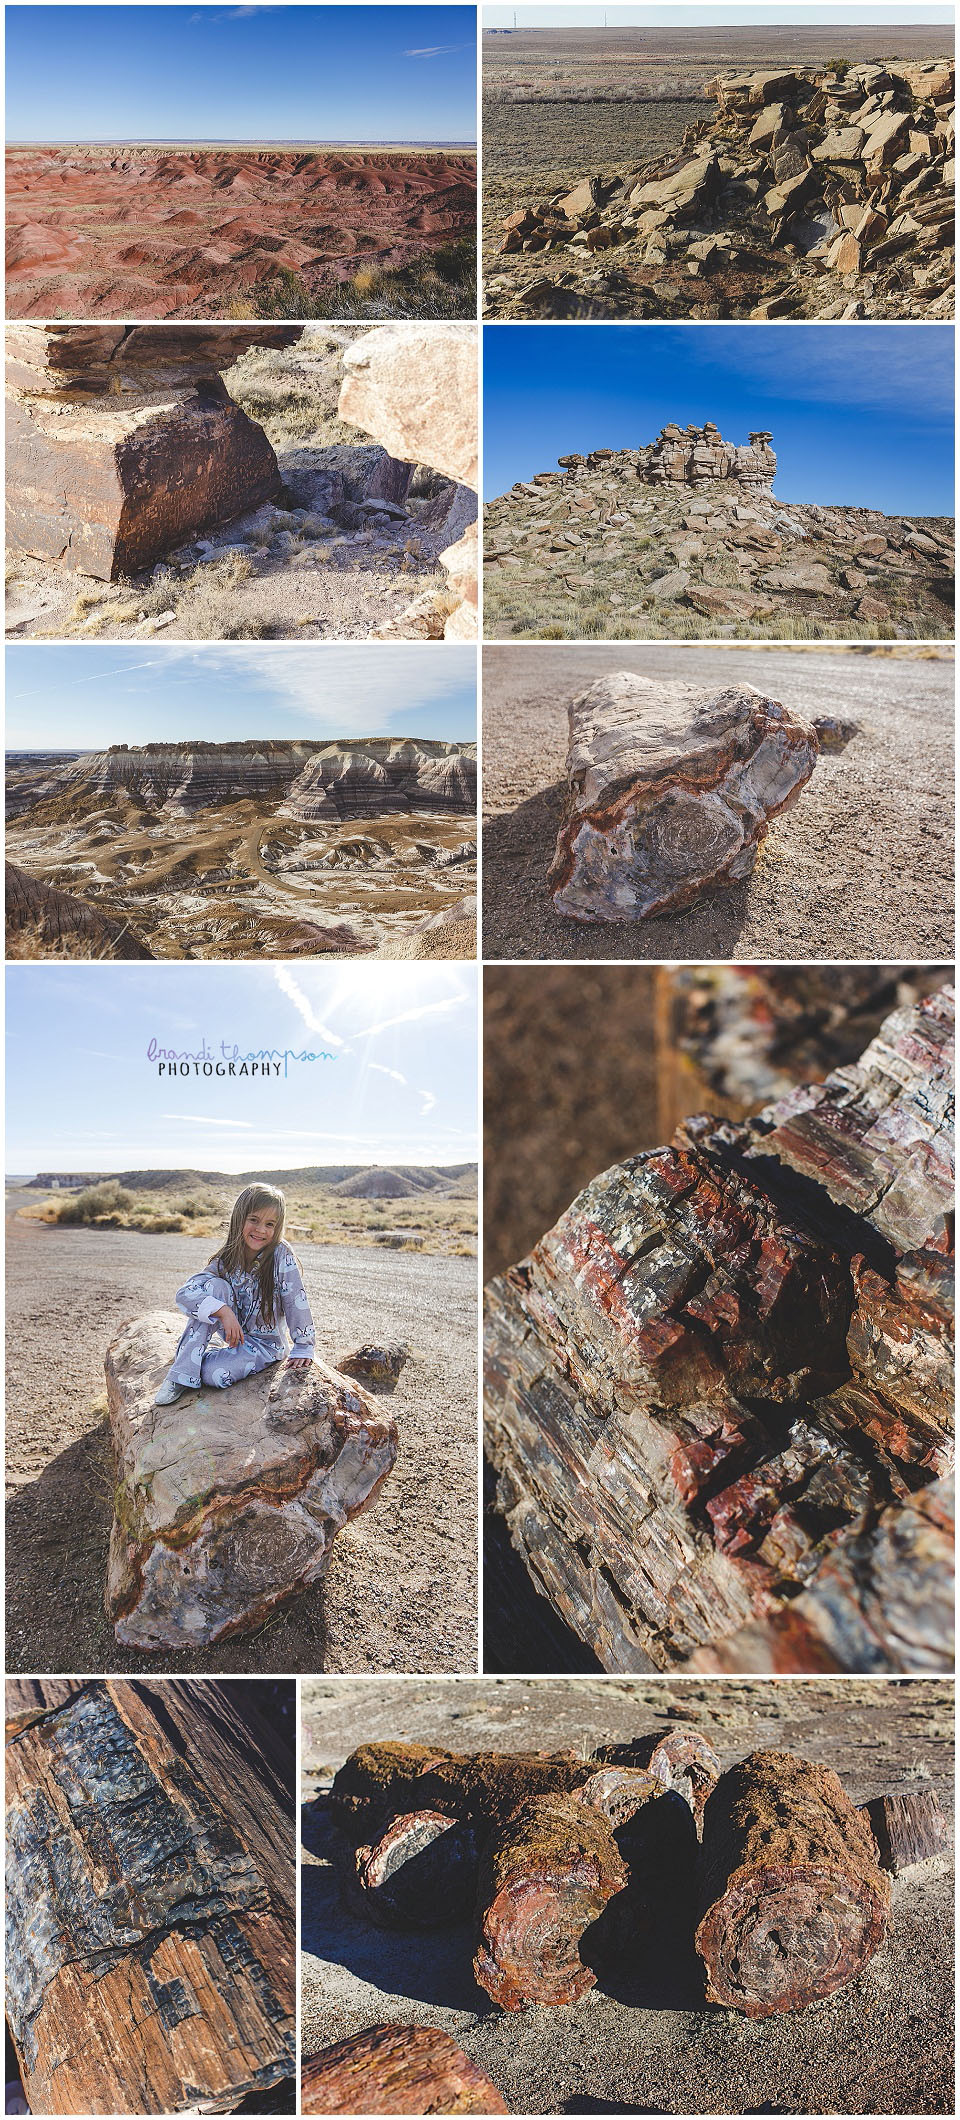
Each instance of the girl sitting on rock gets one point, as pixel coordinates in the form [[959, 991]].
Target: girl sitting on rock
[[234, 1305]]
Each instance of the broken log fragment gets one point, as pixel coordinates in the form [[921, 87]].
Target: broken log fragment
[[683, 1760], [718, 1392], [396, 2068], [794, 1901], [670, 793], [150, 1900], [420, 1874], [380, 1781], [908, 1826], [545, 1877]]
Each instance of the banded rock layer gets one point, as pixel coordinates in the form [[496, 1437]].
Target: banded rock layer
[[719, 1391], [368, 776]]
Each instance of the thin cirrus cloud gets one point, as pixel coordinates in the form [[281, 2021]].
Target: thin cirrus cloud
[[896, 368], [434, 51]]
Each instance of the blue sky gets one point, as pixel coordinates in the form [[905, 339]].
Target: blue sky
[[83, 1093], [856, 12], [189, 72], [859, 414], [84, 698]]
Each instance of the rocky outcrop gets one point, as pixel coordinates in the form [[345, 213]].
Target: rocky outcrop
[[670, 793], [414, 389], [808, 193], [372, 776], [123, 441], [60, 920], [690, 524], [228, 1501], [719, 1391]]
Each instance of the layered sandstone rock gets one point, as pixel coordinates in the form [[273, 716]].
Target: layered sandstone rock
[[414, 389], [670, 793], [123, 441], [719, 1391], [229, 1500], [372, 776], [808, 193]]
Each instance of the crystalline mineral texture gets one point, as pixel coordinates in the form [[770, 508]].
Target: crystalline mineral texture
[[670, 793], [719, 1391]]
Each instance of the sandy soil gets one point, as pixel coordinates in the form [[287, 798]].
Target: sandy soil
[[400, 1591], [861, 867], [149, 232], [881, 2045]]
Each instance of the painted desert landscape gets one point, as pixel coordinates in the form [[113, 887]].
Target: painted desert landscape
[[363, 847], [192, 231], [241, 162]]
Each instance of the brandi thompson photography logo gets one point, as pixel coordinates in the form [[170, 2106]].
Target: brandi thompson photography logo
[[225, 1058]]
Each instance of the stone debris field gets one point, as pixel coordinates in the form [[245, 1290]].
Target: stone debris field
[[805, 193], [685, 538]]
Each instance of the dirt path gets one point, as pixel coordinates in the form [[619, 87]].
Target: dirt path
[[400, 1591], [860, 868], [881, 2045]]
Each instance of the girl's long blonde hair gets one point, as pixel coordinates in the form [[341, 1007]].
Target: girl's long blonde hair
[[230, 1259]]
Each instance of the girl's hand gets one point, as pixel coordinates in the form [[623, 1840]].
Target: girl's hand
[[300, 1361], [230, 1326]]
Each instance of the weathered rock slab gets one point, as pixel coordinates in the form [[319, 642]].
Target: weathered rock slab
[[413, 387], [229, 1500], [670, 793]]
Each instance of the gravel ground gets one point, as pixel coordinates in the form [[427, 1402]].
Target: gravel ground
[[860, 868], [400, 1590], [881, 2045]]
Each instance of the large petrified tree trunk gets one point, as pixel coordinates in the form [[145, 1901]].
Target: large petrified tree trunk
[[670, 793], [122, 443], [718, 1391], [150, 1898], [794, 1900], [380, 1781], [396, 2068], [545, 1877], [228, 1501]]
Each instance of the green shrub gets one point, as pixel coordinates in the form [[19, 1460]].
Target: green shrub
[[96, 1202]]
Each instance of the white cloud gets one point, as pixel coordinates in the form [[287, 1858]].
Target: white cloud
[[892, 367], [202, 1119], [434, 51], [374, 1068], [288, 985], [355, 691]]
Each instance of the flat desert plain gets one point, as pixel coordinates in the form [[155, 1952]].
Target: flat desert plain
[[202, 231]]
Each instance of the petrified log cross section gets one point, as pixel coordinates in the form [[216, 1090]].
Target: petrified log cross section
[[123, 442], [228, 1501], [719, 1390], [670, 793], [150, 1900]]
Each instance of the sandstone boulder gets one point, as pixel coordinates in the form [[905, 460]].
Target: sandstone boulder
[[228, 1501], [413, 387], [670, 793]]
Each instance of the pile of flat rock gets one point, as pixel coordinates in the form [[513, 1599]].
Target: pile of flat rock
[[837, 183]]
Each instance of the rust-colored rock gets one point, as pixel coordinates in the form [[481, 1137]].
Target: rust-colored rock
[[380, 1781], [683, 1760], [544, 1879], [908, 1826], [150, 1900], [122, 444], [794, 1901], [376, 1365], [718, 1391], [229, 1500], [396, 2068], [670, 794]]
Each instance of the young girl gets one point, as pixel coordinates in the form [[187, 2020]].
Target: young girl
[[241, 1295]]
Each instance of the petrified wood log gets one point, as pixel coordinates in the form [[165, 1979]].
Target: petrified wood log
[[545, 1877], [150, 1901], [396, 2068], [229, 1500], [719, 1389], [683, 1760], [670, 793], [420, 1874], [379, 1782], [908, 1826], [123, 443], [794, 1901], [376, 1365]]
